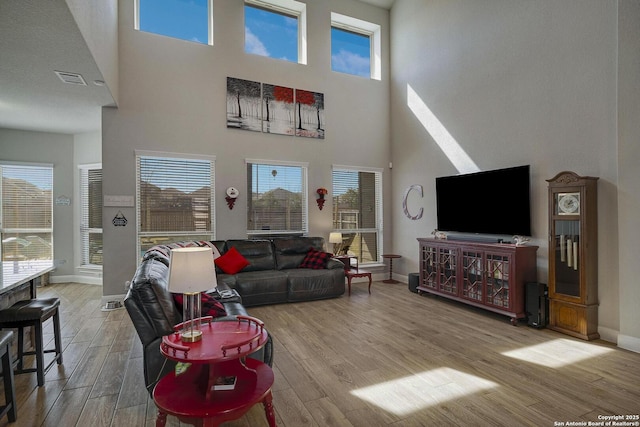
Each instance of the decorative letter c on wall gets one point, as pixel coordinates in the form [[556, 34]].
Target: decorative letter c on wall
[[417, 187]]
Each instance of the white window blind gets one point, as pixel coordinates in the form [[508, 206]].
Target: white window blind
[[91, 215], [357, 211], [26, 220], [175, 197], [277, 198]]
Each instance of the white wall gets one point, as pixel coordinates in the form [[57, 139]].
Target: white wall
[[513, 82], [173, 99], [629, 173]]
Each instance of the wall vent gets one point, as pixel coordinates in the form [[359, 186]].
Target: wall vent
[[71, 78]]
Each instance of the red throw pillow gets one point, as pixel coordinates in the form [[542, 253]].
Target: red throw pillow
[[231, 262], [209, 305], [315, 259]]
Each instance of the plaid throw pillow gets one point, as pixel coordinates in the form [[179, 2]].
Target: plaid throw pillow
[[209, 305], [315, 259]]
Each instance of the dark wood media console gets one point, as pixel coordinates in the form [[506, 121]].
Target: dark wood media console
[[491, 276]]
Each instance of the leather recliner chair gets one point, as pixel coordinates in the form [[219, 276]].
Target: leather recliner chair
[[154, 313]]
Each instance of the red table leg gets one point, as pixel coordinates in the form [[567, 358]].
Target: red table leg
[[268, 409]]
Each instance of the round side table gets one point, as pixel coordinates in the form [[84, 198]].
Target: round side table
[[390, 257]]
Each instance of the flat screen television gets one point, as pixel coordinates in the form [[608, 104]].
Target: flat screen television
[[489, 202]]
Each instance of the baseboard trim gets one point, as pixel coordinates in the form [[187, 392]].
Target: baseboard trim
[[87, 280], [608, 334], [629, 343]]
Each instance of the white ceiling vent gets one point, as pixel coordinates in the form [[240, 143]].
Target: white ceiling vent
[[71, 78]]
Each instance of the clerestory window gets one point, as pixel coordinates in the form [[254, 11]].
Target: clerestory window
[[355, 47], [276, 29], [186, 20]]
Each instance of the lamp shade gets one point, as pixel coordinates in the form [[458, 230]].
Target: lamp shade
[[192, 270], [335, 238]]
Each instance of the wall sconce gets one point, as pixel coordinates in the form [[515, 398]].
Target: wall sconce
[[320, 200], [232, 195], [336, 239]]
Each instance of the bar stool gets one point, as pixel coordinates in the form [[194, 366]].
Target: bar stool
[[9, 408], [34, 312]]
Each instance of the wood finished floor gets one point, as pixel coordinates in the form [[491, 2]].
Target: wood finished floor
[[392, 358]]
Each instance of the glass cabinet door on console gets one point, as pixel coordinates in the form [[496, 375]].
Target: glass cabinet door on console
[[447, 276], [498, 280], [573, 255], [487, 275], [473, 269], [439, 269]]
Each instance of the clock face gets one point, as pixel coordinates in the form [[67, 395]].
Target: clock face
[[232, 192], [568, 203]]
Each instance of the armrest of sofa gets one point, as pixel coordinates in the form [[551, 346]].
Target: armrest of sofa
[[333, 263]]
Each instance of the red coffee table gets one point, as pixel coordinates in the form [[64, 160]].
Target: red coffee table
[[191, 397]]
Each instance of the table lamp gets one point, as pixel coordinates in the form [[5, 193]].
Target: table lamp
[[336, 238], [191, 271]]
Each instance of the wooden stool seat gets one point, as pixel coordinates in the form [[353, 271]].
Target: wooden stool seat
[[34, 313], [9, 408]]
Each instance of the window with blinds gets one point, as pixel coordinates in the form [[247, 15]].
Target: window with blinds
[[277, 198], [26, 212], [175, 199], [91, 215], [357, 211]]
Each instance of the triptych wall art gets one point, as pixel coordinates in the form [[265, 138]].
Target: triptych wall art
[[263, 107]]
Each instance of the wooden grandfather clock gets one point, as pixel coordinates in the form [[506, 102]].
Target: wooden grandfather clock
[[573, 255]]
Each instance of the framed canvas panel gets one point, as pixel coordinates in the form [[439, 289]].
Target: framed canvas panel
[[243, 104], [309, 114], [278, 112]]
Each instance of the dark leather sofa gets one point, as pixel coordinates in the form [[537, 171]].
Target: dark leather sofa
[[271, 277]]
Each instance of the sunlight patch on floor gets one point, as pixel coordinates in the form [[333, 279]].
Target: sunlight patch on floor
[[557, 353], [447, 143], [406, 395]]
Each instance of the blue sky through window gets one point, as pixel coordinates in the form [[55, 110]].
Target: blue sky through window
[[269, 177], [267, 33], [270, 34], [181, 19], [350, 52]]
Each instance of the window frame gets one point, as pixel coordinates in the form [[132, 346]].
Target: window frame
[[85, 230], [211, 234], [369, 29], [27, 230], [136, 23], [304, 167], [379, 208], [291, 8]]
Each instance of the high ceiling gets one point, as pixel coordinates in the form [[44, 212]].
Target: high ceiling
[[38, 38]]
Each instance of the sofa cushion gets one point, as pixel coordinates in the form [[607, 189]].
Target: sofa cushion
[[231, 262], [262, 287], [315, 259], [259, 253], [307, 284], [290, 251]]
